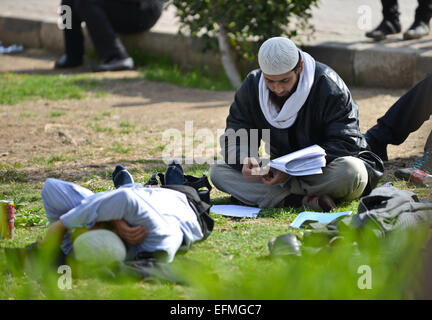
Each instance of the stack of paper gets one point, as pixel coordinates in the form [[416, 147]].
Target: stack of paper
[[235, 211], [301, 163]]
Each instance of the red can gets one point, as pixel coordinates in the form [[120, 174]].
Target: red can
[[421, 178], [7, 219]]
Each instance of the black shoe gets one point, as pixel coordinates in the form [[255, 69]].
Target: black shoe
[[385, 28], [115, 64], [378, 148], [237, 202], [418, 30], [68, 62], [316, 203], [174, 174], [322, 203], [424, 163], [121, 176]]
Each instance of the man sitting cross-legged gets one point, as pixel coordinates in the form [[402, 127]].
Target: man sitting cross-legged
[[299, 102]]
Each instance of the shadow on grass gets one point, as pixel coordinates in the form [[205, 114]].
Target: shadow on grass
[[157, 69], [16, 88]]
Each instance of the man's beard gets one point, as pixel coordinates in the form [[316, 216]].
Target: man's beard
[[278, 101]]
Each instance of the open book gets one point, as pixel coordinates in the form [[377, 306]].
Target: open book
[[304, 162]]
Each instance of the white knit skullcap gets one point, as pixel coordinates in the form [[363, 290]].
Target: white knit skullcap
[[278, 55], [99, 247]]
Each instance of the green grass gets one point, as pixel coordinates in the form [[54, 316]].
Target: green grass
[[11, 174], [193, 79], [163, 69], [24, 115], [18, 87], [126, 124], [233, 263], [119, 148], [56, 158], [126, 127], [57, 114], [98, 128]]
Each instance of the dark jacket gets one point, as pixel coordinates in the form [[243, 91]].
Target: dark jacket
[[328, 118]]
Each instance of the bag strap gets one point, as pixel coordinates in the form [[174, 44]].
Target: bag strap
[[153, 181], [375, 169], [197, 183], [189, 181]]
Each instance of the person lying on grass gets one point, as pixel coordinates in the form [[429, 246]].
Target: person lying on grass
[[148, 220]]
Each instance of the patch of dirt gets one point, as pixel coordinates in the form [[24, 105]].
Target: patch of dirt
[[127, 123]]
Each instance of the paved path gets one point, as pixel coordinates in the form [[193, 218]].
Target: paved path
[[334, 20]]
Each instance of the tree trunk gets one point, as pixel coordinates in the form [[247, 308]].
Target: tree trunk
[[226, 57]]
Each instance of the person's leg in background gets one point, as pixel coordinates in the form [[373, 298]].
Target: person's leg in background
[[106, 17], [420, 27], [390, 23], [132, 17], [73, 40], [106, 43], [424, 163], [390, 11], [403, 117]]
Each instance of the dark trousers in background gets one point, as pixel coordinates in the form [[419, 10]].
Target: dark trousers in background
[[423, 11], [105, 18], [406, 115]]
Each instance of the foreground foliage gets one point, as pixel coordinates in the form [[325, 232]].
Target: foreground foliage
[[233, 263]]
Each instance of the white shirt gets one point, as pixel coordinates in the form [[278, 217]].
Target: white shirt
[[165, 213]]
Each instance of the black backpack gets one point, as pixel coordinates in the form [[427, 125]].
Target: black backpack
[[201, 185], [197, 191]]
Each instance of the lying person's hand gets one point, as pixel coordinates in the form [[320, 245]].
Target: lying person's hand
[[274, 177], [132, 235], [252, 171]]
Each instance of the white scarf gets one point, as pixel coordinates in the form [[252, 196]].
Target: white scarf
[[286, 117]]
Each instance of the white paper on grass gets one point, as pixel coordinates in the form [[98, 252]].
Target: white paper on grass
[[235, 211], [321, 217], [303, 162]]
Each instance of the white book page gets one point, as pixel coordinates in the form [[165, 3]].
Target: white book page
[[308, 152], [304, 162], [235, 211]]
